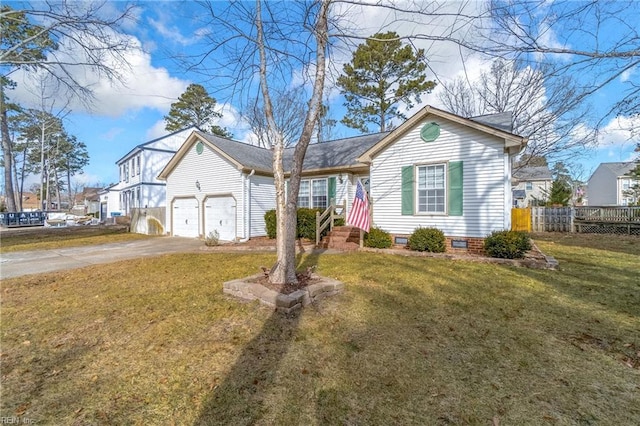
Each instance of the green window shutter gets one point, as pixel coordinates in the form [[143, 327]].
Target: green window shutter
[[407, 191], [455, 188], [332, 189]]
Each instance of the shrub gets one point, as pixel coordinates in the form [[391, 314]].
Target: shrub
[[270, 223], [377, 238], [428, 239], [507, 244], [212, 239], [306, 223], [306, 227]]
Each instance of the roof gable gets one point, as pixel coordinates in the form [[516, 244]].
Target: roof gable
[[510, 140], [156, 144]]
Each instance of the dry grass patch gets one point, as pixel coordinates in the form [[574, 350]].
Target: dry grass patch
[[55, 238], [411, 341]]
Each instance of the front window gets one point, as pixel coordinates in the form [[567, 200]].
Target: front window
[[319, 192], [431, 188], [138, 161], [304, 194], [313, 194], [529, 186]]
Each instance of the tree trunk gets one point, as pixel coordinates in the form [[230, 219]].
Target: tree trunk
[[69, 192], [7, 153], [284, 271], [22, 173]]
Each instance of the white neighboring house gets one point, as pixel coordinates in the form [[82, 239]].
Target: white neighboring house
[[607, 183], [138, 186], [435, 170], [530, 184]]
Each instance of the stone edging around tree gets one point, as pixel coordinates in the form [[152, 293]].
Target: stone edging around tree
[[248, 289]]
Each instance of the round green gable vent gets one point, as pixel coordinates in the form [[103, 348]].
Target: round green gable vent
[[430, 132], [199, 148]]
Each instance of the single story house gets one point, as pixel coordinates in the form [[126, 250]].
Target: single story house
[[435, 170]]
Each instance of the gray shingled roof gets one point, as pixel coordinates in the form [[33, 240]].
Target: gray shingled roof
[[501, 121], [327, 155], [620, 168], [336, 153], [250, 156], [533, 173]]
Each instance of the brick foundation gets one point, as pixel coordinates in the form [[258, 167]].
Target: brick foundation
[[474, 245]]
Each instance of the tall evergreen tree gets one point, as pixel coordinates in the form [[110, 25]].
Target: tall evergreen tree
[[382, 75], [195, 108]]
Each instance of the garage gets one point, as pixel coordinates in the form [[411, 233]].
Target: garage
[[184, 221], [220, 215]]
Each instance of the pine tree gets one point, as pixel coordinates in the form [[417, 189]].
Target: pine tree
[[195, 108], [560, 193], [382, 75]]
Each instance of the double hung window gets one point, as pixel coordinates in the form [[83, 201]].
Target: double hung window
[[432, 185]]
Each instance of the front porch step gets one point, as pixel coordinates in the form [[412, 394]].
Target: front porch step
[[342, 238]]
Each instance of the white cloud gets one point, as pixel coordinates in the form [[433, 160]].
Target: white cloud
[[112, 133], [157, 130], [627, 74], [620, 132], [141, 85]]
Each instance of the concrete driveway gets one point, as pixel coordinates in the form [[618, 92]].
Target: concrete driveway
[[34, 262]]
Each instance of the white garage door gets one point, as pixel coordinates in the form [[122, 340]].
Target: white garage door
[[185, 217], [220, 215]]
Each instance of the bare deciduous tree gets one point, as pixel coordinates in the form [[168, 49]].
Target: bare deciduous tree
[[545, 109], [289, 114], [263, 48], [596, 40], [58, 38]]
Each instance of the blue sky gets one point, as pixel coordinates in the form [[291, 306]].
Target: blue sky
[[123, 117]]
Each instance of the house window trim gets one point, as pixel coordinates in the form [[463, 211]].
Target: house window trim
[[416, 189]]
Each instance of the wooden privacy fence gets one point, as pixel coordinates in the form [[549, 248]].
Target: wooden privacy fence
[[552, 219], [521, 219]]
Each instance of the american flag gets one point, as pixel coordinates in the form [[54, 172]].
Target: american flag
[[359, 213]]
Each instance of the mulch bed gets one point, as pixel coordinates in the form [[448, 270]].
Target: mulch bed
[[304, 279]]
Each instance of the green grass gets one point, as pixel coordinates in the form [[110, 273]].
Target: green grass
[[46, 238], [410, 341]]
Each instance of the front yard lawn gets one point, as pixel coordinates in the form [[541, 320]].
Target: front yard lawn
[[54, 238], [410, 341]]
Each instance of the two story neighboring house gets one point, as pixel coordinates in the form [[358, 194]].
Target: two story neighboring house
[[607, 184], [530, 184], [138, 186]]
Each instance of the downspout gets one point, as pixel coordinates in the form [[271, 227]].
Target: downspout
[[246, 201]]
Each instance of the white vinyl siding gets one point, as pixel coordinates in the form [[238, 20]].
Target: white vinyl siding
[[486, 178], [263, 198], [216, 176]]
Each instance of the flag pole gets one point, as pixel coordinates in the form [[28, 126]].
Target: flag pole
[[361, 238]]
